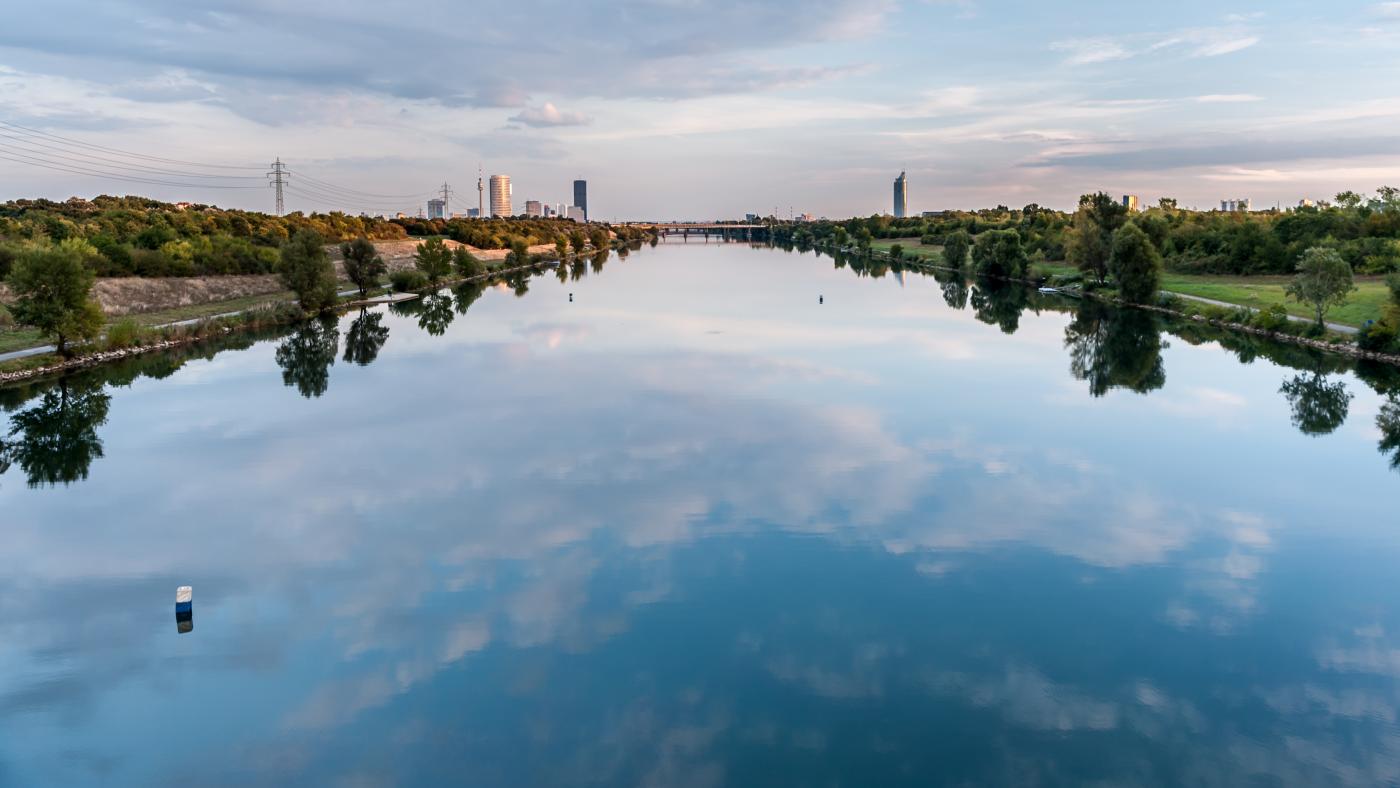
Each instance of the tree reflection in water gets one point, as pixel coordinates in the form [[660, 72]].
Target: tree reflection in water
[[1115, 348], [1388, 422], [1000, 303], [365, 338], [954, 286], [55, 441], [1319, 407], [468, 293], [599, 259], [307, 355], [435, 313]]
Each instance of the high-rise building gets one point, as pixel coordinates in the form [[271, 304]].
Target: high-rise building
[[1132, 202], [534, 208], [581, 197], [500, 195], [1231, 206], [901, 196], [575, 213], [437, 208]]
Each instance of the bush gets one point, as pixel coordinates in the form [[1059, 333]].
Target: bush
[[1274, 318], [7, 321], [1379, 337], [125, 333], [408, 280]]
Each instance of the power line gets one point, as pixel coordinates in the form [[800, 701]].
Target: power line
[[20, 158], [82, 159], [331, 187], [130, 154]]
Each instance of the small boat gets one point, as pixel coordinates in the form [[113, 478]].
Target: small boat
[[1049, 289]]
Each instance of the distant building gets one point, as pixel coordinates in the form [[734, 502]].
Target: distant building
[[576, 214], [473, 213], [806, 217], [933, 214], [1306, 203], [437, 209], [534, 208], [751, 217], [500, 195], [581, 197], [901, 196], [1132, 202], [1231, 206]]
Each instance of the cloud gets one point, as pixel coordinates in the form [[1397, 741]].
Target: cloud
[[1195, 43], [1387, 11], [1228, 98], [549, 115], [1091, 50]]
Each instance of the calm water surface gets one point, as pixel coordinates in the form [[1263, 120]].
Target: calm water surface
[[696, 527]]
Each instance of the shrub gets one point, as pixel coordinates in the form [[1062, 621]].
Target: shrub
[[466, 263], [408, 280], [897, 252], [7, 320], [1274, 318], [1379, 337], [125, 333]]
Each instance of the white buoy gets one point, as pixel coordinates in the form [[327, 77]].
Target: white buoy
[[184, 609]]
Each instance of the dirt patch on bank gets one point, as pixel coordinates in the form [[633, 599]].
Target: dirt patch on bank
[[131, 295]]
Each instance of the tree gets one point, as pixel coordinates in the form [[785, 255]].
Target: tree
[[998, 253], [519, 252], [578, 240], [1135, 264], [53, 287], [897, 252], [1324, 280], [599, 238], [306, 270], [863, 239], [561, 248], [434, 259], [365, 338], [306, 357], [1319, 407], [955, 248], [1090, 240], [363, 265], [466, 263]]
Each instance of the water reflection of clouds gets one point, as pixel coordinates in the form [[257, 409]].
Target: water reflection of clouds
[[531, 501]]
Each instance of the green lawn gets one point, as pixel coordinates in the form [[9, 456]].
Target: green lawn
[[1258, 292]]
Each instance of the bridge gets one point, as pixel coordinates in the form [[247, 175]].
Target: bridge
[[724, 231]]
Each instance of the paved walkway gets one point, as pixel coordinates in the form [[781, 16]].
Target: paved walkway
[[1338, 327]]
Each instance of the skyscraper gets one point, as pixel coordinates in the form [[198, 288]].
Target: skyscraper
[[500, 195], [437, 208], [581, 197], [901, 196]]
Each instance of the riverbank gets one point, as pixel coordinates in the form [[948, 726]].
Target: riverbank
[[190, 333], [1254, 292], [1201, 315]]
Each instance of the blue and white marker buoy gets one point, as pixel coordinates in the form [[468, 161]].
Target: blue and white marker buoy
[[184, 609]]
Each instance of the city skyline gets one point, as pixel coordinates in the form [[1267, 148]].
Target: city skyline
[[812, 105]]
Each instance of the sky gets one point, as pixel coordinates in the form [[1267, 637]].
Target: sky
[[682, 109]]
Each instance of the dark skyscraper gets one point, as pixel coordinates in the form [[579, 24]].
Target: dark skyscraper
[[581, 197], [901, 197]]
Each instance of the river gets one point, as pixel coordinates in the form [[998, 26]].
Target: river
[[707, 515]]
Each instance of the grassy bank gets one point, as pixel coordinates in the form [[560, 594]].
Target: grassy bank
[[1257, 292]]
